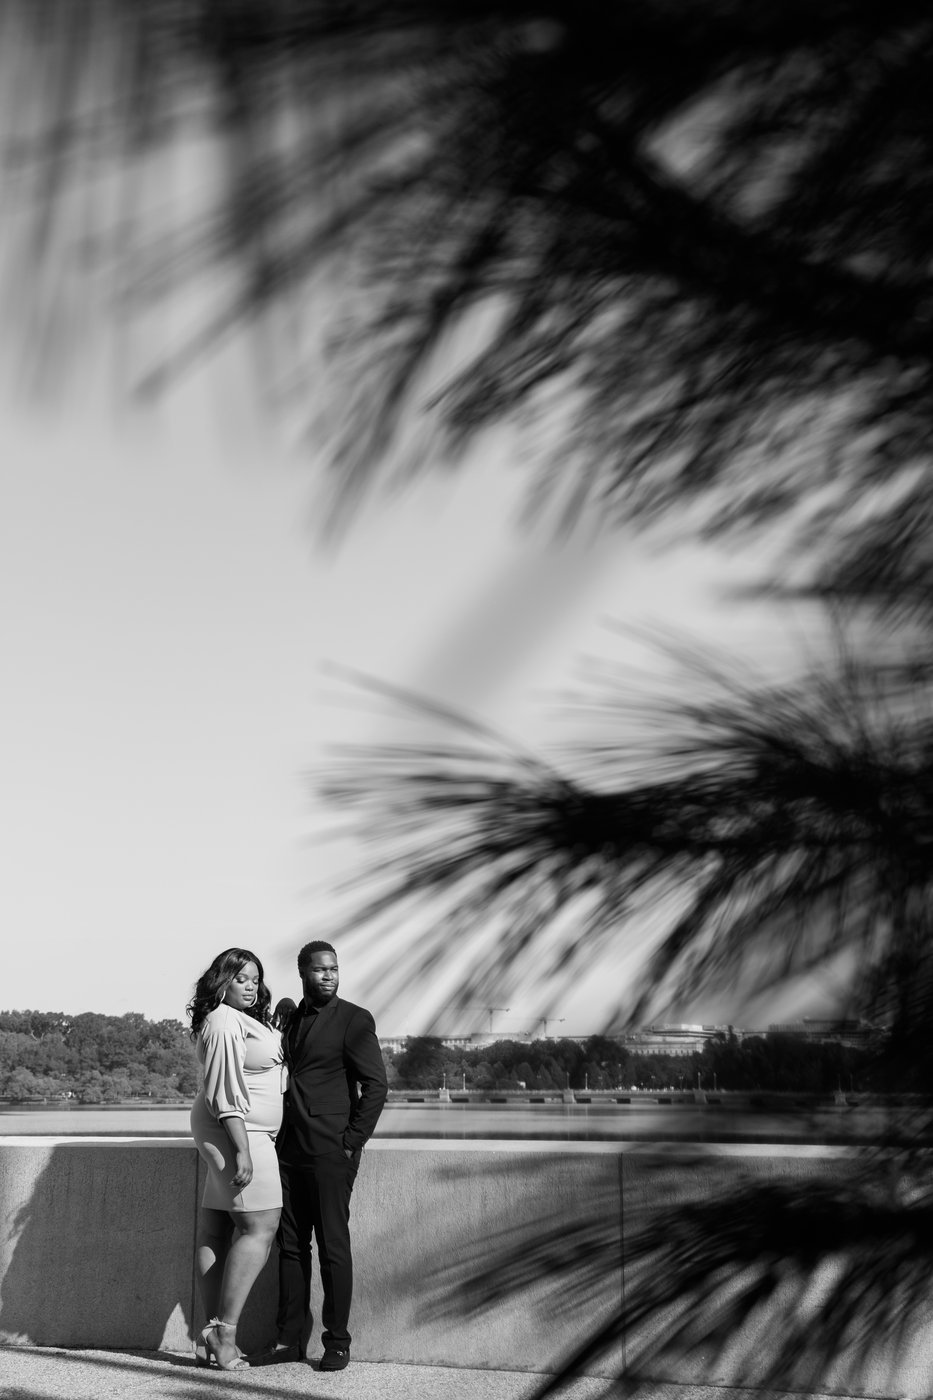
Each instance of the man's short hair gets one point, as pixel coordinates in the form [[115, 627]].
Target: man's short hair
[[308, 951]]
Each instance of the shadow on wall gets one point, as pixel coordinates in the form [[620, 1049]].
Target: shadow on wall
[[425, 1221], [97, 1244], [97, 1247], [773, 1273]]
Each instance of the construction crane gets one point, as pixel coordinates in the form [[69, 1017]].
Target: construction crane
[[489, 1010], [550, 1021]]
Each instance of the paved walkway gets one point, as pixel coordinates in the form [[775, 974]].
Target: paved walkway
[[34, 1373], [30, 1373]]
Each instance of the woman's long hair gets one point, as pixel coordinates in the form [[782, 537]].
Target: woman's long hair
[[211, 985]]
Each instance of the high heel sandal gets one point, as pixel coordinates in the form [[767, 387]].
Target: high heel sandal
[[202, 1356], [210, 1357]]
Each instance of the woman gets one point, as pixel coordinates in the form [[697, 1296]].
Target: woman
[[234, 1120]]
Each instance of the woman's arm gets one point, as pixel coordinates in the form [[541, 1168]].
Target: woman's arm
[[235, 1129], [225, 1090]]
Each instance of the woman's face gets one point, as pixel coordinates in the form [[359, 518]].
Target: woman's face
[[243, 990]]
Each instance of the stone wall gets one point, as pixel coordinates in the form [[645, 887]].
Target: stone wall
[[460, 1250]]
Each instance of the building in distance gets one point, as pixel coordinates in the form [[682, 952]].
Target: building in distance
[[680, 1039]]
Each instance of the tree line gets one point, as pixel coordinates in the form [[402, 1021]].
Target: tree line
[[774, 1062], [94, 1058]]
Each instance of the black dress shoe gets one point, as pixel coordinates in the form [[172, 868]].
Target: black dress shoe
[[334, 1359], [274, 1353]]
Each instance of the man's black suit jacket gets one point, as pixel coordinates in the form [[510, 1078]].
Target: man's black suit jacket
[[336, 1081]]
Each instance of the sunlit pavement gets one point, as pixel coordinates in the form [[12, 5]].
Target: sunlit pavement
[[28, 1373], [33, 1373]]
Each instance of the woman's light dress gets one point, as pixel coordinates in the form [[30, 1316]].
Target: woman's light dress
[[244, 1077]]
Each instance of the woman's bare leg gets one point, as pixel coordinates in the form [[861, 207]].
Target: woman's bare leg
[[253, 1234], [215, 1234]]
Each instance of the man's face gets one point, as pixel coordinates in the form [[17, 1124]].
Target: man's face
[[320, 978]]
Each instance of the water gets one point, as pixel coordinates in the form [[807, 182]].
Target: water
[[604, 1122]]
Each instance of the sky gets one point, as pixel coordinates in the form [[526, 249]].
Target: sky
[[169, 611]]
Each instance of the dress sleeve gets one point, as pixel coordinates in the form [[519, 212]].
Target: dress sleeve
[[224, 1047]]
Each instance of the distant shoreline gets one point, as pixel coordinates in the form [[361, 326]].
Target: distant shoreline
[[722, 1100], [72, 1106]]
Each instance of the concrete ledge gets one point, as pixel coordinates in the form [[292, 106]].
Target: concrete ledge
[[96, 1244], [460, 1249], [97, 1241]]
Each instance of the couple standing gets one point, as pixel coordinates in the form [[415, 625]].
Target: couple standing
[[277, 1168]]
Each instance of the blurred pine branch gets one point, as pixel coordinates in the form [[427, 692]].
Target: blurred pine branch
[[687, 243], [729, 832]]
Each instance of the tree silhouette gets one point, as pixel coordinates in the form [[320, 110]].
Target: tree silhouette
[[690, 240], [777, 827], [421, 1063]]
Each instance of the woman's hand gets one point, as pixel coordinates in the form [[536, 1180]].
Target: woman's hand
[[244, 1169]]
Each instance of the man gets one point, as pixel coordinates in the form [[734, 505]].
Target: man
[[337, 1089]]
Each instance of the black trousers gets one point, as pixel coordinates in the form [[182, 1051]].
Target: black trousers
[[316, 1202]]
